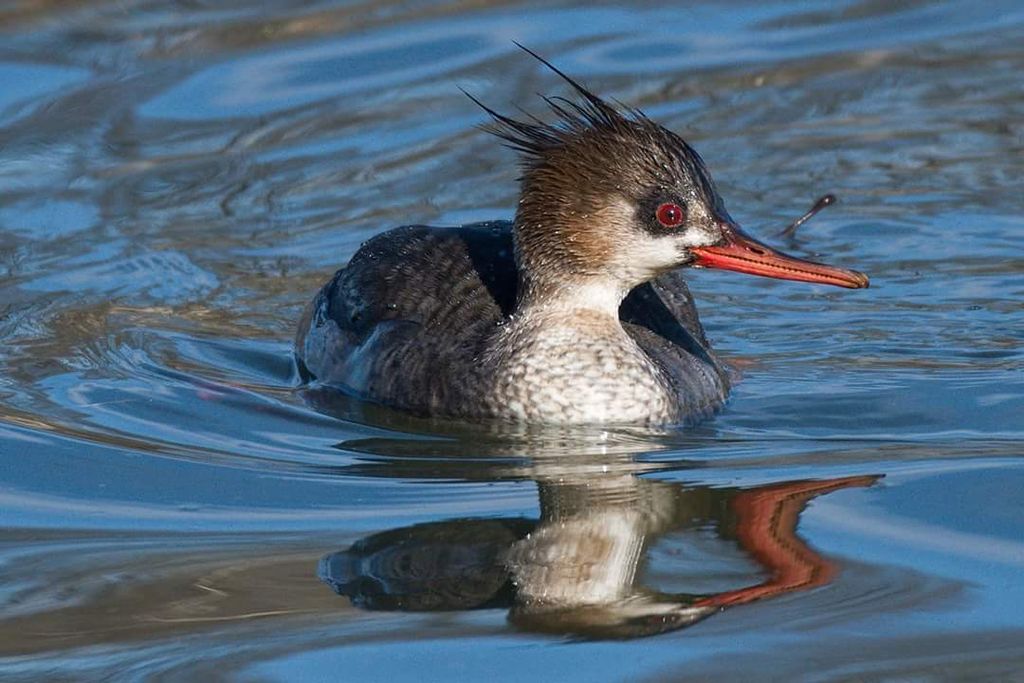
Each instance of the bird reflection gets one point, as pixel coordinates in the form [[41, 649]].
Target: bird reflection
[[580, 569]]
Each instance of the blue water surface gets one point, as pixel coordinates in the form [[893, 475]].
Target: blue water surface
[[177, 180]]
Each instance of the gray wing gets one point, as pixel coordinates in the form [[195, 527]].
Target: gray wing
[[662, 318], [405, 319]]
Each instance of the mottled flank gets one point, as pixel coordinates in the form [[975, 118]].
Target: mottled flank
[[422, 319]]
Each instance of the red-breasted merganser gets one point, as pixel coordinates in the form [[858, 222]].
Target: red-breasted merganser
[[573, 313]]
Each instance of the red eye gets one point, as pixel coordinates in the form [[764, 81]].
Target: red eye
[[670, 215]]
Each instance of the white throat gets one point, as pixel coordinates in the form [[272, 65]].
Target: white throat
[[592, 295]]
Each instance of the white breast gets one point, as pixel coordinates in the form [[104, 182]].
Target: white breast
[[577, 371]]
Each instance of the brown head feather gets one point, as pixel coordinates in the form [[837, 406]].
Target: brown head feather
[[580, 169]]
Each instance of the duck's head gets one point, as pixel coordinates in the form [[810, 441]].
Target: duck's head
[[609, 196]]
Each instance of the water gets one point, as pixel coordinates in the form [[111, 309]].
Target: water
[[177, 180]]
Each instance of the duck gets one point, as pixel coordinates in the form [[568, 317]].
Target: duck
[[575, 312]]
